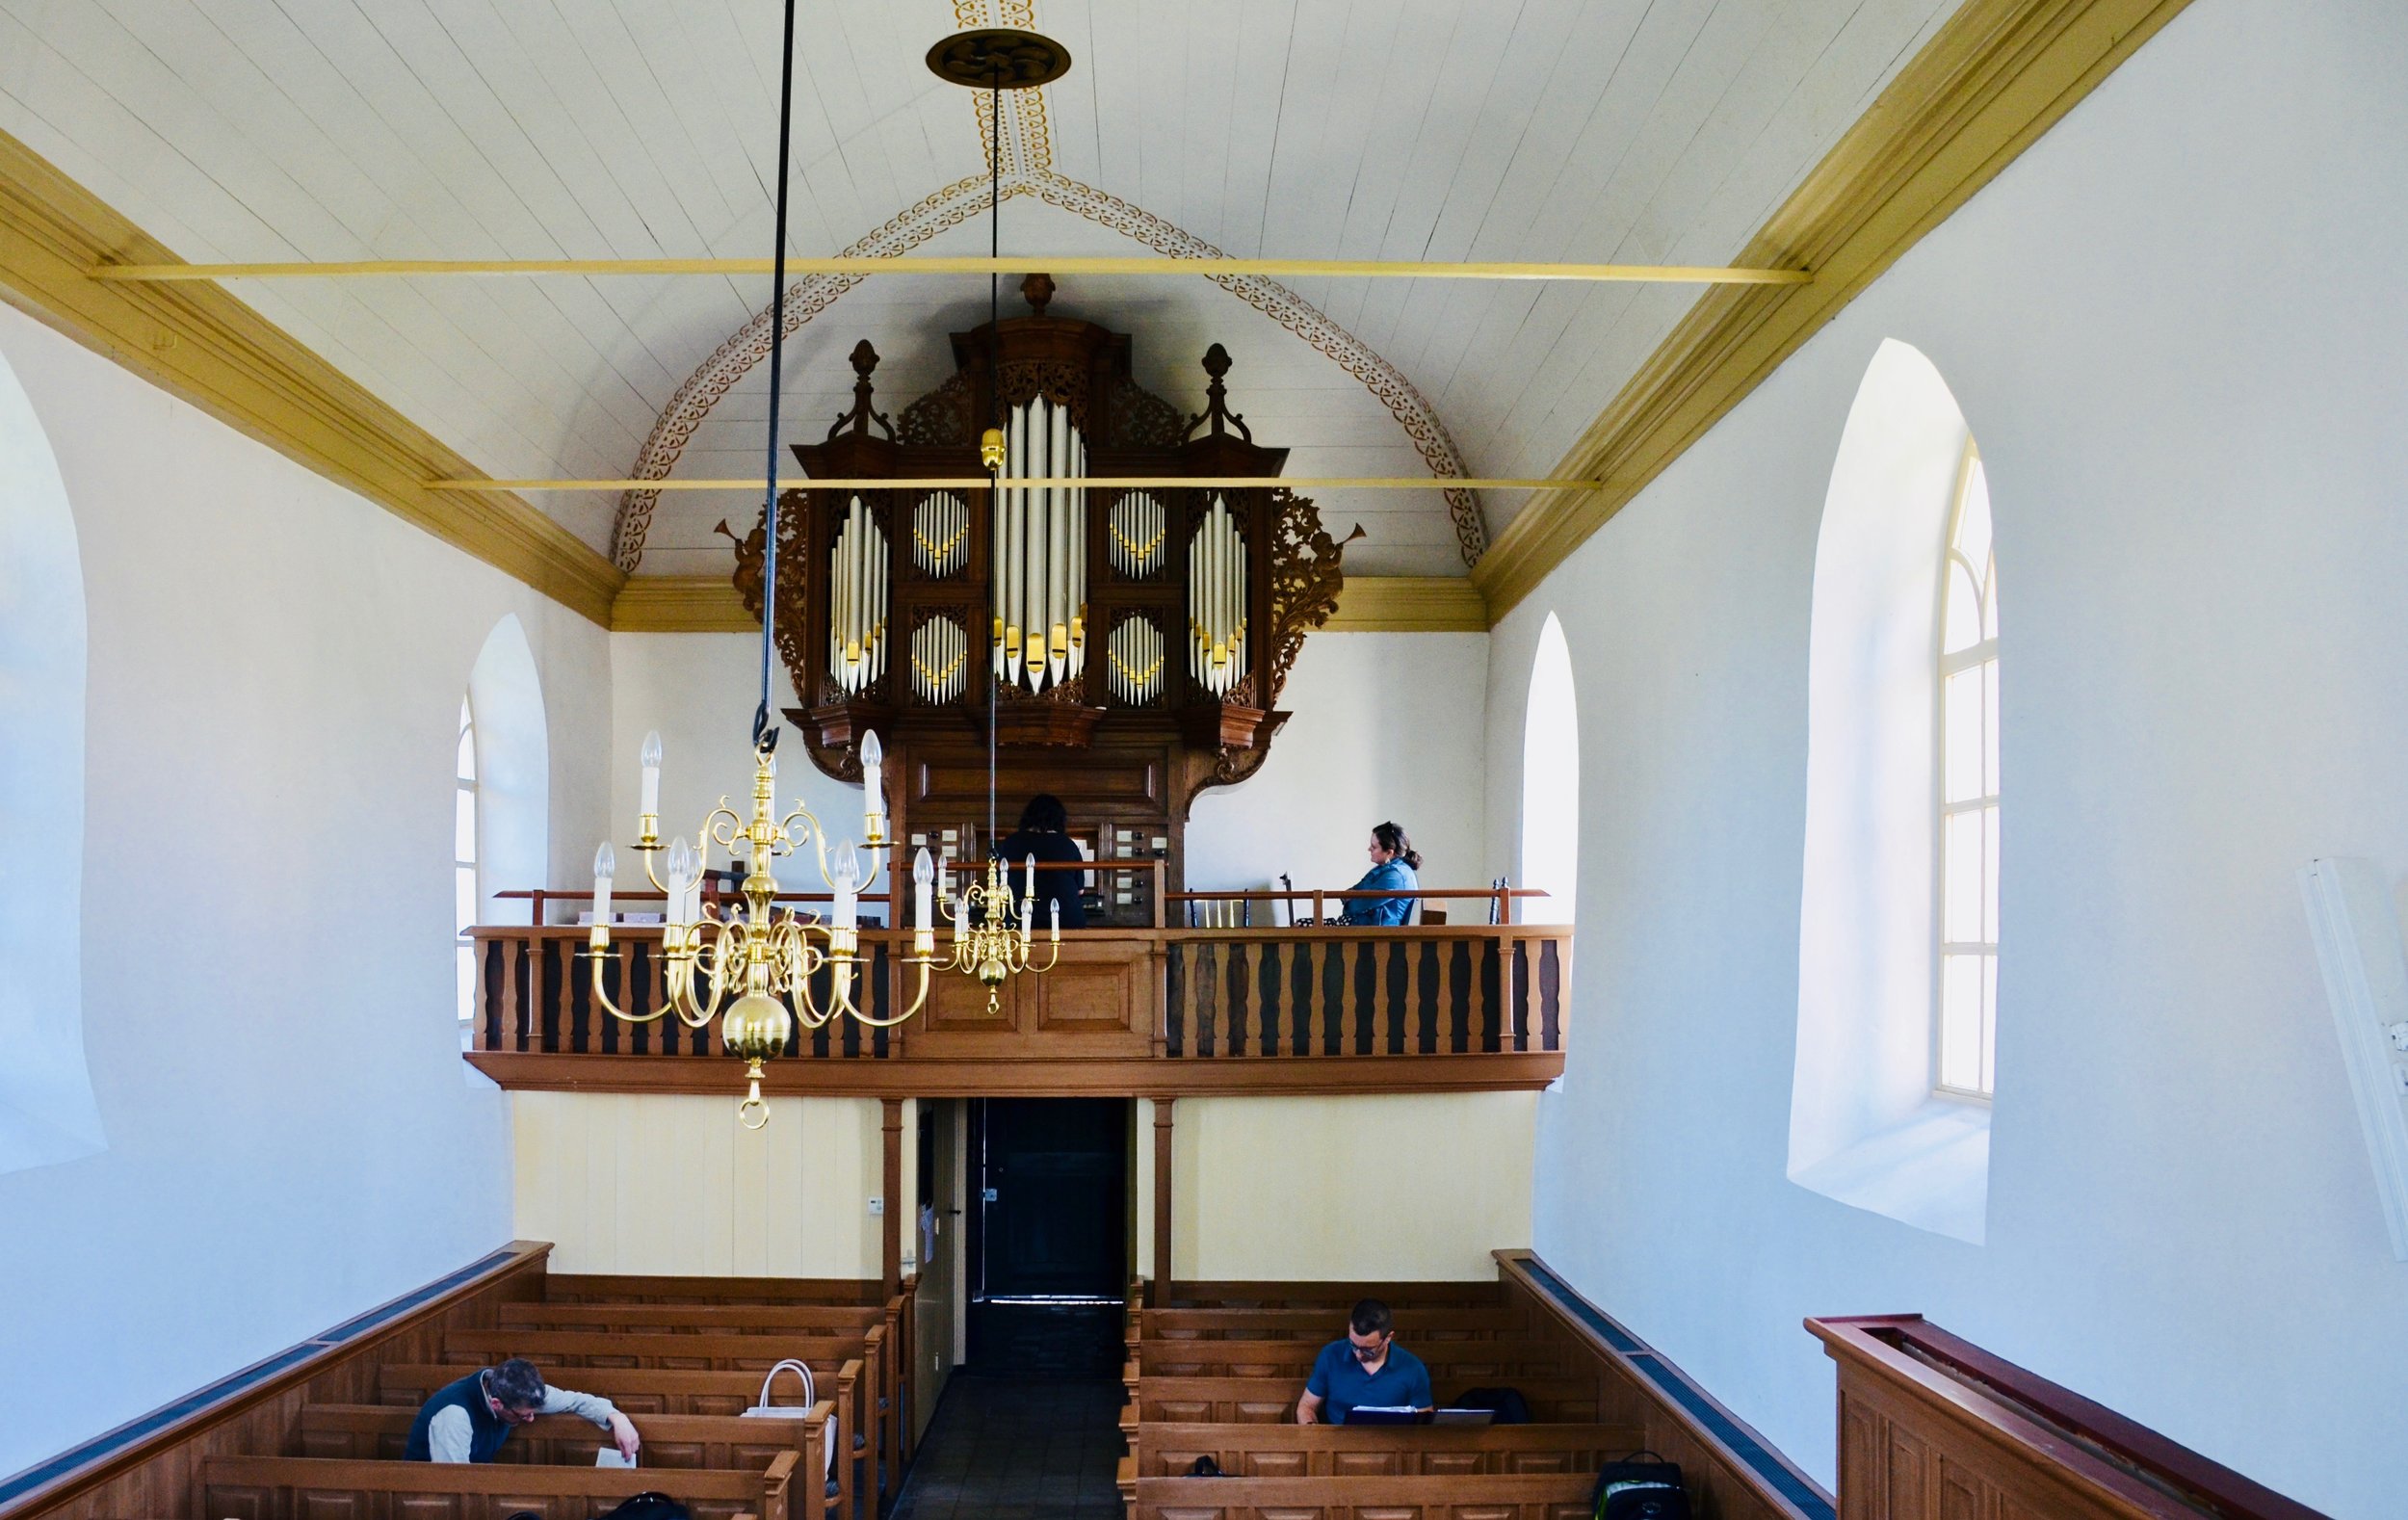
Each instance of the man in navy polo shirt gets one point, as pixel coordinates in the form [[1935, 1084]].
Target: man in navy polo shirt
[[1366, 1369]]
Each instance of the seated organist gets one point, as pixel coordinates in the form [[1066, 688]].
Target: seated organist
[[1394, 864], [1041, 836], [467, 1421], [1367, 1369]]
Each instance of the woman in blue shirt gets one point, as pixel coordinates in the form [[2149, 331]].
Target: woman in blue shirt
[[1394, 862]]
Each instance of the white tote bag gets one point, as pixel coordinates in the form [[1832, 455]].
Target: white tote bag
[[763, 1409]]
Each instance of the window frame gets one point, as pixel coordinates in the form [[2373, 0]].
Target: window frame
[[1983, 651], [466, 781]]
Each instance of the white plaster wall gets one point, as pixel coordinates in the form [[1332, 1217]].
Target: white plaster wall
[[275, 669], [1387, 725], [698, 691], [2174, 327]]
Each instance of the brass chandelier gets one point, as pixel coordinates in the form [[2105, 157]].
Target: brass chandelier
[[749, 963]]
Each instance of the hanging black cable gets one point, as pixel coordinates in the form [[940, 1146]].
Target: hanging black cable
[[765, 737], [994, 384]]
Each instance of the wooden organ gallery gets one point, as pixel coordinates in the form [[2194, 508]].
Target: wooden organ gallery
[[1133, 642]]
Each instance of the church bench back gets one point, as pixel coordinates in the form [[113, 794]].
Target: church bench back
[[714, 1318], [1320, 1325], [1339, 1296], [1481, 1361], [1168, 1450], [314, 1489], [379, 1433], [634, 1287], [1563, 1496], [704, 1351], [1273, 1401]]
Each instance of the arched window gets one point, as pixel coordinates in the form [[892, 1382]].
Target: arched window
[[1551, 781], [1898, 925], [47, 1109], [1967, 1037], [467, 896]]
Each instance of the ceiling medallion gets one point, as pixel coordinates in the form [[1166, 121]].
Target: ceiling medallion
[[999, 58]]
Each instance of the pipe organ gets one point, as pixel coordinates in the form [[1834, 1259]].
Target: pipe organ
[[1130, 645]]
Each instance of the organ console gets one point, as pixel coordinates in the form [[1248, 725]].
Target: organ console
[[1132, 642]]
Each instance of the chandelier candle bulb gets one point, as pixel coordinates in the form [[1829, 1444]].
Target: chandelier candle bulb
[[605, 867], [846, 880], [681, 875], [923, 902], [872, 793], [650, 755]]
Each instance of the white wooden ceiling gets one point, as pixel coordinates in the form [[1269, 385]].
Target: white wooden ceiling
[[1629, 130]]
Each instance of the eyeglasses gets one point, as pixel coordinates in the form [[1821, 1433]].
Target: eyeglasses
[[1368, 1353]]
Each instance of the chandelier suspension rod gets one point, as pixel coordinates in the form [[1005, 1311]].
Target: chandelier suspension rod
[[994, 376], [853, 266], [765, 737]]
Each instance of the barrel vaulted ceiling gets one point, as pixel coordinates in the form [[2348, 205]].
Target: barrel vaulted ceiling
[[1655, 131]]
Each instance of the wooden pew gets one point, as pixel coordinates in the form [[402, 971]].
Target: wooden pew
[[573, 1353], [896, 1389], [1271, 1400], [379, 1433], [1169, 1449], [1339, 1296], [1498, 1496], [313, 1488], [1322, 1325], [714, 1318], [1450, 1362], [643, 1392]]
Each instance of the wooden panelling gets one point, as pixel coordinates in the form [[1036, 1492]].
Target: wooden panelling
[[1933, 1428], [314, 1489]]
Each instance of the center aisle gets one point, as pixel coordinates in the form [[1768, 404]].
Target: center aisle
[[1015, 1448]]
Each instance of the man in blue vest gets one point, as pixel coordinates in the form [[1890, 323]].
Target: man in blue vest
[[470, 1420], [1366, 1370]]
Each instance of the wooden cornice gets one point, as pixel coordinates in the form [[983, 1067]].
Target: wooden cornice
[[198, 342], [1990, 82], [681, 604], [1048, 1076], [1408, 604]]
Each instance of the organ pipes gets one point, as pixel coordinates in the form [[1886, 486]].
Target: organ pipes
[[1039, 569], [1216, 600], [940, 660], [940, 533], [857, 611], [1138, 526], [1135, 652]]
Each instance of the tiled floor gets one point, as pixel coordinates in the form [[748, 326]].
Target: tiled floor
[[1005, 1448]]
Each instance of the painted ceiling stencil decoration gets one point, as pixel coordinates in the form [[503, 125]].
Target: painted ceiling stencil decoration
[[1027, 169]]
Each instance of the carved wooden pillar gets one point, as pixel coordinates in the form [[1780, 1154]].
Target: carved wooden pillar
[[1162, 1201], [891, 1255]]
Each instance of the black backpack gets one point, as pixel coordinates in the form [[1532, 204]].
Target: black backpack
[[648, 1506], [1510, 1407], [1641, 1486]]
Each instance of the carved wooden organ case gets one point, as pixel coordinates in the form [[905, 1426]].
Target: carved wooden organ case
[[1134, 640]]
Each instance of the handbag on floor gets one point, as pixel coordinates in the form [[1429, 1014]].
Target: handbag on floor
[[1641, 1486]]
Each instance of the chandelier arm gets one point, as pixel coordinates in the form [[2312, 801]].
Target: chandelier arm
[[597, 958], [693, 1011], [919, 999]]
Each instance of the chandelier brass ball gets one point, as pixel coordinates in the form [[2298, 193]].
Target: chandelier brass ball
[[755, 1026], [991, 972]]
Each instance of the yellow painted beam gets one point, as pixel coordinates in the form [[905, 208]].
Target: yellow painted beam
[[932, 482], [1408, 604], [1995, 77], [1017, 264], [202, 344]]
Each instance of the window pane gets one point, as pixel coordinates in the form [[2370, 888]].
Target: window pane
[[1990, 598], [465, 766], [1973, 520], [464, 896], [1961, 626], [1990, 873], [464, 824], [1960, 885], [1990, 728], [1960, 1022], [467, 959], [1961, 747]]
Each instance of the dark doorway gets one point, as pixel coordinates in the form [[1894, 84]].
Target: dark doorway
[[1048, 1235]]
